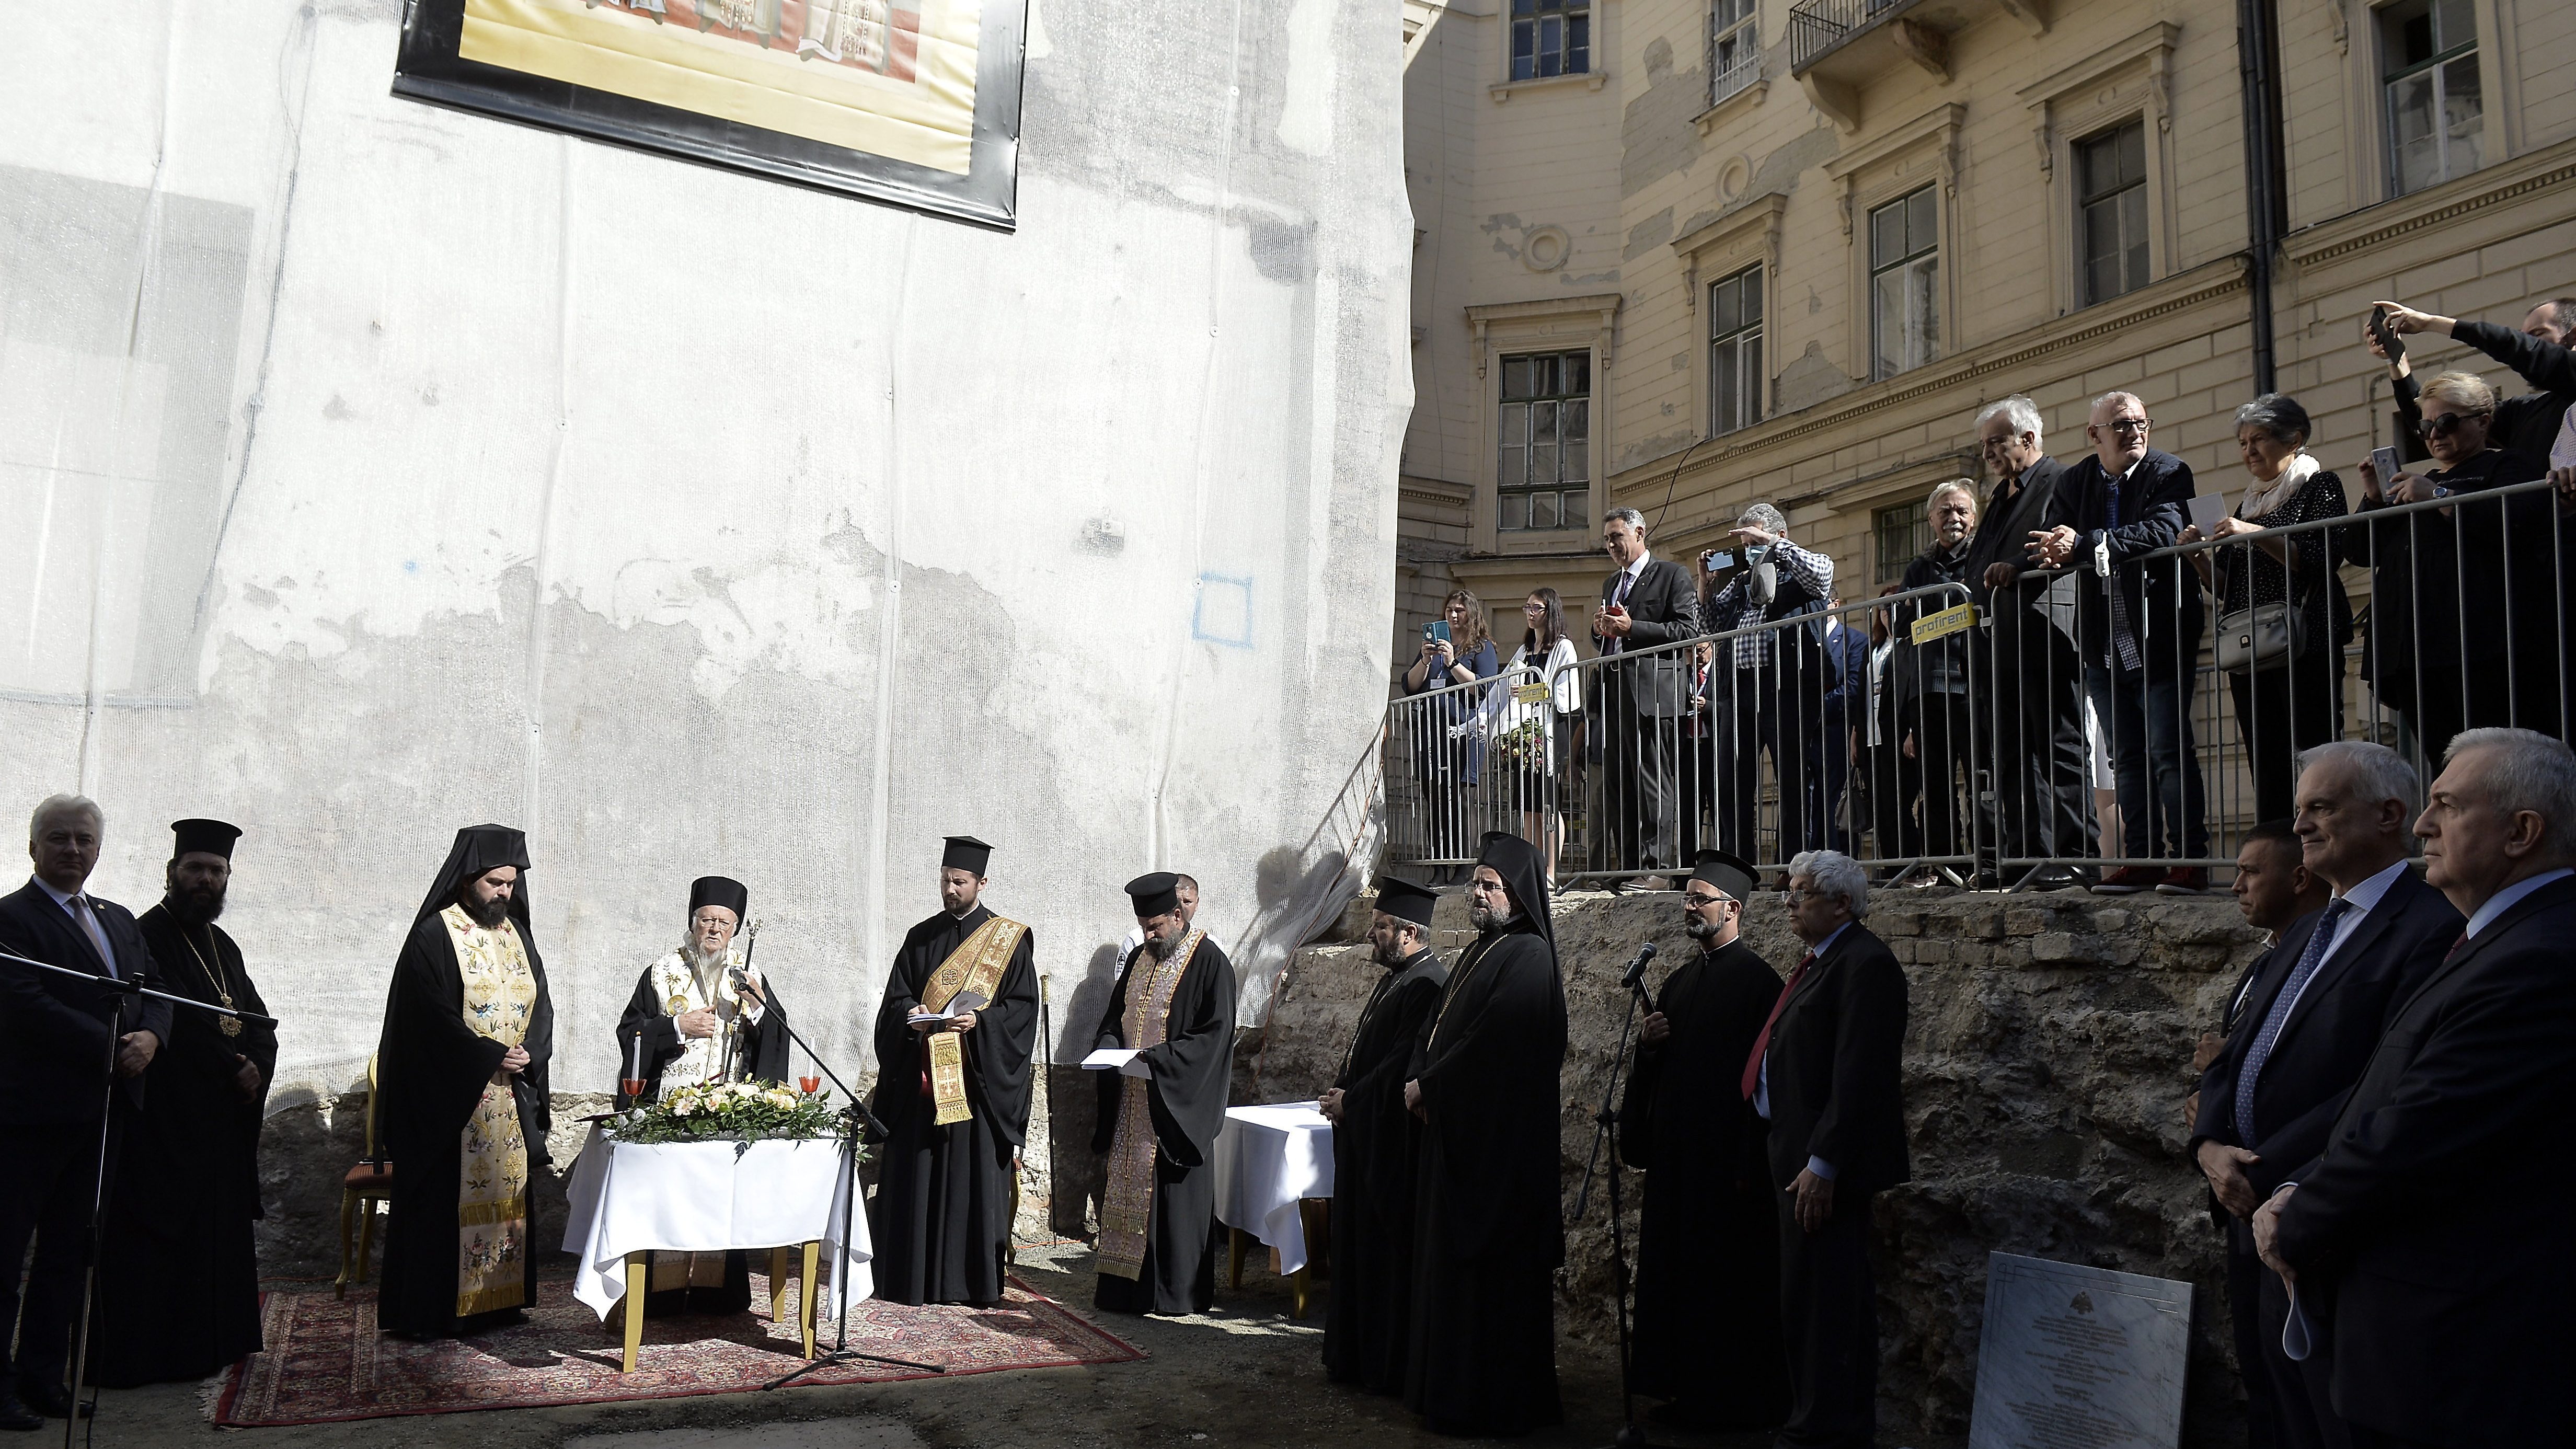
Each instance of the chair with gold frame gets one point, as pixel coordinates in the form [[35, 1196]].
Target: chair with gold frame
[[367, 1184]]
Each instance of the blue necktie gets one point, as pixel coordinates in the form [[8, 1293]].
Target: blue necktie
[[2279, 1017], [2124, 642]]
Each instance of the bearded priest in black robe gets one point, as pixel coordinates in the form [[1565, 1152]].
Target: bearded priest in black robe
[[701, 1013], [461, 1079], [1489, 1232], [1173, 1007], [1375, 1143], [179, 1276], [1707, 1337], [955, 1034]]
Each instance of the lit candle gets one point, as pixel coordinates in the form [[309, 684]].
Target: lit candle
[[635, 1057]]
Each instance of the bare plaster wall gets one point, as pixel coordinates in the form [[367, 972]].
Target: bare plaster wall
[[370, 470]]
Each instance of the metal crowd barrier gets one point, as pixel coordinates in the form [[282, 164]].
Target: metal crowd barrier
[[2008, 754]]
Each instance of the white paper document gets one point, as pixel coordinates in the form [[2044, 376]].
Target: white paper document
[[1118, 1059], [2206, 511], [958, 1005]]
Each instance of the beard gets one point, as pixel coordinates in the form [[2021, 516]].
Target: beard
[[1699, 930], [1487, 921], [1162, 947], [487, 914], [1397, 954], [198, 907]]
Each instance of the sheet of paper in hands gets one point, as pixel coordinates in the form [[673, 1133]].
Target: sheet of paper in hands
[[2207, 510], [1119, 1059], [958, 1005]]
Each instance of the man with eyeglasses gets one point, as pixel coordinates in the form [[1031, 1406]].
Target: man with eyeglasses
[[1708, 1256], [2139, 623]]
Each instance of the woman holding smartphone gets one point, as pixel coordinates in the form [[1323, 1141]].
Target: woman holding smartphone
[[1541, 763], [1445, 762]]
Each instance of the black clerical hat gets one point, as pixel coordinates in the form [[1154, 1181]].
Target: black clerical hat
[[213, 837], [1158, 894], [965, 853], [1404, 900], [1725, 872], [716, 890]]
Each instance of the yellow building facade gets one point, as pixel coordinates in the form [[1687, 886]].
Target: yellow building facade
[[1680, 255]]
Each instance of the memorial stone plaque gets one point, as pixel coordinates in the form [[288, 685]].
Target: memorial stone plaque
[[2079, 1358]]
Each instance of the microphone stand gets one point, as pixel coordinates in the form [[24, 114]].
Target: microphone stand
[[117, 988], [858, 1113], [1605, 1131]]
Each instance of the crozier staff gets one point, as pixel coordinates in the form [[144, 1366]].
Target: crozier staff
[[954, 1037], [461, 1086]]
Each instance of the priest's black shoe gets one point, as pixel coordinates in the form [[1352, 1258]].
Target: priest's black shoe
[[46, 1397], [14, 1413]]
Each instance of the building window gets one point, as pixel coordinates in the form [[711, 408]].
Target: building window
[[1546, 442], [2111, 210], [1904, 284], [1735, 351], [1734, 48], [1898, 534], [2429, 63], [1551, 37]]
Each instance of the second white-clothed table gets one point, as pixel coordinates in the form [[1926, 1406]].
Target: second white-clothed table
[[1269, 1159], [706, 1197]]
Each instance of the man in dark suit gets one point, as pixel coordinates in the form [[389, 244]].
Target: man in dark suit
[[2140, 623], [2032, 716], [55, 1038], [2310, 1029], [2273, 889], [2429, 1238], [1827, 1073], [1932, 707], [1649, 601]]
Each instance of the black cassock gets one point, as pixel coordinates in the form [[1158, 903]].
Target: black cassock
[[1708, 1251], [1370, 1318], [942, 1216], [760, 1054], [1192, 1073], [179, 1278], [1489, 1229]]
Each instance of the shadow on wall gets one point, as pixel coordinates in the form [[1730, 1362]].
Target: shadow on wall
[[1075, 1174]]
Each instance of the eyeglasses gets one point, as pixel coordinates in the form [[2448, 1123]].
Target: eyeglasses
[[2446, 424], [1701, 903], [2129, 427]]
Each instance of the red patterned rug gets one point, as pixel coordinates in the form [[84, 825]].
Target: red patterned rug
[[325, 1361]]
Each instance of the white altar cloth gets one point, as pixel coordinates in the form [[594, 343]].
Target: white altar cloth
[[1267, 1160], [700, 1197]]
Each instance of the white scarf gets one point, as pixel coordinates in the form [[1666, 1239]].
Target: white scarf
[[2265, 498]]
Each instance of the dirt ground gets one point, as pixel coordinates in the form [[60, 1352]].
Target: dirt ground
[[1243, 1377]]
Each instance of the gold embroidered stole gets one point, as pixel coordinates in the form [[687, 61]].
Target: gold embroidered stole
[[976, 967], [492, 1170], [1127, 1203]]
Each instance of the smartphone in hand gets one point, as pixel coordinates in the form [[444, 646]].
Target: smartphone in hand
[[2387, 338], [2383, 461], [1436, 632]]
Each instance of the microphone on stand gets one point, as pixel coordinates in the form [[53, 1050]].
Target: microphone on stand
[[1636, 971]]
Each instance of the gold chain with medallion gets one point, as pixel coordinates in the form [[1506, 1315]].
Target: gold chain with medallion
[[230, 1025]]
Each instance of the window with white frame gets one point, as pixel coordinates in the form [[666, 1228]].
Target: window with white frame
[[1898, 533], [2428, 54], [1904, 283], [2111, 211], [1735, 351], [1546, 444], [1734, 47], [1551, 37]]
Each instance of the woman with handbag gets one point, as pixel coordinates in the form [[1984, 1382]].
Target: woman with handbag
[[2282, 614], [1529, 741]]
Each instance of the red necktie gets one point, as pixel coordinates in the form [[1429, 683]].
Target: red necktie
[[1762, 1043], [2456, 945]]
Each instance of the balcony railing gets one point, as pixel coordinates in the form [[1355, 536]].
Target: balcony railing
[[1817, 28]]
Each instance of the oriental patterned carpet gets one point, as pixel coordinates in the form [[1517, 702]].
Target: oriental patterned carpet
[[325, 1361]]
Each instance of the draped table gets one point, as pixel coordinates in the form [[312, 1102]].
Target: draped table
[[629, 1199], [1274, 1170]]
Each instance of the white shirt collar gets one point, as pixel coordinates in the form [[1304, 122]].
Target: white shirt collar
[[2364, 897], [61, 898], [2511, 896], [1645, 556]]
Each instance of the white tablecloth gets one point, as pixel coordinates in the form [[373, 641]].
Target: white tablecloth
[[699, 1197], [1267, 1159]]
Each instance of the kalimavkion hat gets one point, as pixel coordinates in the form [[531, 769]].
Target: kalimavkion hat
[[1156, 894], [1725, 872], [1404, 900], [716, 890], [213, 837], [965, 853]]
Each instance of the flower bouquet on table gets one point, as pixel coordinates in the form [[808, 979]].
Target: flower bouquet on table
[[742, 1112]]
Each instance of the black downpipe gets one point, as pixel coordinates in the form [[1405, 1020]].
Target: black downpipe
[[2267, 212]]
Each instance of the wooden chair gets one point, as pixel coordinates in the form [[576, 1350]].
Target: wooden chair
[[367, 1184]]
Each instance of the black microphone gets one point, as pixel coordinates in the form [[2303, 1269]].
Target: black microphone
[[1636, 971]]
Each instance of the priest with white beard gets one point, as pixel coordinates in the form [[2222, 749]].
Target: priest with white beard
[[701, 1014]]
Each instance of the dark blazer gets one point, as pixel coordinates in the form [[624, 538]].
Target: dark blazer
[[2162, 598], [1663, 608], [2331, 1032], [2527, 424], [2436, 1219], [1837, 1056], [2018, 634], [1940, 667], [54, 1031]]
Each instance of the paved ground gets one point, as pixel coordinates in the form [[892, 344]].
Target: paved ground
[[1243, 1377]]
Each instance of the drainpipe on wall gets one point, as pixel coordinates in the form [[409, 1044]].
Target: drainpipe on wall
[[2258, 67]]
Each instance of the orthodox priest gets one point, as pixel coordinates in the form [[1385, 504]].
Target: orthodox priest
[[461, 1078], [702, 1014], [1173, 1007], [1707, 1338], [179, 1278], [955, 1034], [1375, 1141], [1489, 1232]]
